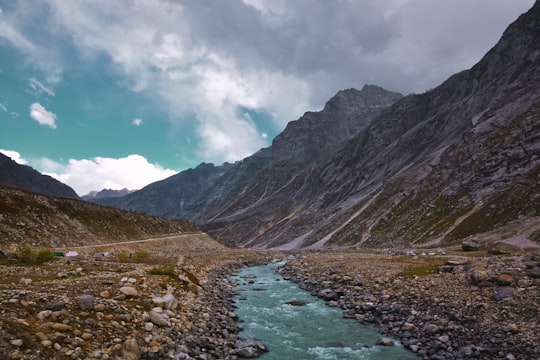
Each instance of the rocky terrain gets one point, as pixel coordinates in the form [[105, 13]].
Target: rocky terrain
[[173, 302], [176, 302], [451, 306], [36, 220]]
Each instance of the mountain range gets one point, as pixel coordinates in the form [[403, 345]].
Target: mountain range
[[378, 169], [374, 168]]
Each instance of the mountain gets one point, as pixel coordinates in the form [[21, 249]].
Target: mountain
[[38, 220], [106, 193], [211, 194], [373, 169], [24, 177], [457, 161]]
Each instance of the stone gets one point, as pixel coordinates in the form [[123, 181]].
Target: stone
[[430, 328], [105, 294], [158, 301], [25, 281], [479, 276], [129, 291], [86, 302], [534, 272], [60, 327], [130, 350], [42, 315], [504, 293], [149, 326], [505, 279], [327, 294], [296, 303], [99, 307], [472, 245], [157, 319], [249, 348], [17, 342], [170, 302], [385, 342]]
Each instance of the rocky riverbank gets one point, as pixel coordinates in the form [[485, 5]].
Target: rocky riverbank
[[84, 308], [439, 306]]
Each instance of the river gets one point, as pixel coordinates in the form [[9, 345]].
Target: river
[[307, 330]]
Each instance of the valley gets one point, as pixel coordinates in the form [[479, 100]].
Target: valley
[[417, 215]]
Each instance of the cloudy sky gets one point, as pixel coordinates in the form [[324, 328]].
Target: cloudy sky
[[114, 94]]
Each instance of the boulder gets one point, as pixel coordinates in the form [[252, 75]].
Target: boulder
[[130, 350], [129, 291], [170, 302], [385, 342], [505, 279], [157, 319], [504, 293], [473, 245], [86, 302], [249, 348], [479, 277], [327, 294]]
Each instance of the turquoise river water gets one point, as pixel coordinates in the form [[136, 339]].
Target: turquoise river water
[[313, 331]]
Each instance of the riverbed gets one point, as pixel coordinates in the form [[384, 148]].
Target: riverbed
[[293, 324]]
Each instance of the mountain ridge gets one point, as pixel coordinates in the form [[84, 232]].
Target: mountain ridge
[[24, 177], [428, 169]]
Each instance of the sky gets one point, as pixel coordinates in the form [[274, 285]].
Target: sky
[[119, 94]]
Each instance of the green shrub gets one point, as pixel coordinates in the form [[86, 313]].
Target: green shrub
[[25, 254], [163, 270], [44, 255]]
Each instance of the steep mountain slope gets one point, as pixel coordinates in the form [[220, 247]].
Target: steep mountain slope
[[456, 161], [460, 160], [28, 218], [263, 180], [172, 197], [24, 177]]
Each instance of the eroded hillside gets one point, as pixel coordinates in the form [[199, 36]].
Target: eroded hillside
[[32, 219]]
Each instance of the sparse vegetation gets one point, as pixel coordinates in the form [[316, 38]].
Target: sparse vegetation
[[141, 255], [25, 255], [167, 270]]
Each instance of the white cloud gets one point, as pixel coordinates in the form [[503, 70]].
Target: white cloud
[[132, 172], [42, 115], [15, 156], [39, 88], [137, 122], [3, 107]]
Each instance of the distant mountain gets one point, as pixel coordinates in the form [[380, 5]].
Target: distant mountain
[[24, 177], [373, 169], [106, 193], [210, 193]]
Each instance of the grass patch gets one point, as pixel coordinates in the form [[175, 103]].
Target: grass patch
[[423, 267], [167, 270]]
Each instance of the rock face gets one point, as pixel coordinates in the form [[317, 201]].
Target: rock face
[[24, 177], [263, 182], [374, 169]]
